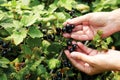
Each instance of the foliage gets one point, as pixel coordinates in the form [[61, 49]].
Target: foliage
[[30, 48]]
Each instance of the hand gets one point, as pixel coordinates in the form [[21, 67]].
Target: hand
[[92, 61], [87, 25]]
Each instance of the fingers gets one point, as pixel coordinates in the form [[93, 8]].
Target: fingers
[[77, 28], [85, 34], [84, 67], [85, 49], [78, 20], [81, 56]]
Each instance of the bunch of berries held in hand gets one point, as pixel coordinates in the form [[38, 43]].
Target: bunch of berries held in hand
[[67, 29]]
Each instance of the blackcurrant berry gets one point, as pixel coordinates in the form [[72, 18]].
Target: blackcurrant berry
[[1, 42], [4, 52], [9, 49], [59, 78], [69, 30], [69, 42], [5, 45], [40, 24], [58, 30], [64, 29], [44, 31], [72, 26], [67, 26], [71, 49], [45, 37], [51, 37], [65, 63], [59, 74], [69, 65], [74, 46]]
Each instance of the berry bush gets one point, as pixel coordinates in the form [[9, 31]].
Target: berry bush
[[31, 41]]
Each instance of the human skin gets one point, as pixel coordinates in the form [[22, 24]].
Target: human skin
[[86, 26], [92, 61], [89, 60]]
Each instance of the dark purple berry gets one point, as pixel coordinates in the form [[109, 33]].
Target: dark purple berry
[[45, 37], [9, 49], [1, 42], [65, 63], [67, 26], [5, 45], [64, 29], [58, 30], [40, 24], [69, 42], [51, 37], [4, 52], [59, 74], [59, 78], [71, 49], [44, 31], [74, 46], [72, 26], [69, 65], [69, 30]]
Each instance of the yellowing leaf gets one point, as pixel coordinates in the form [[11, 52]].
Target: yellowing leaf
[[18, 36], [53, 63]]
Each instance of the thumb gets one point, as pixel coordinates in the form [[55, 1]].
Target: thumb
[[82, 56]]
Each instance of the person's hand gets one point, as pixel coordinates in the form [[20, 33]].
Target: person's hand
[[87, 25], [92, 61]]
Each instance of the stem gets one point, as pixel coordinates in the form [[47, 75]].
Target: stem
[[86, 43]]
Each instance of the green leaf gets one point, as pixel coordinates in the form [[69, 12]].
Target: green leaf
[[26, 49], [25, 2], [18, 36], [28, 20], [45, 45], [36, 64], [3, 76], [52, 8], [104, 46], [109, 40], [54, 47], [66, 4], [1, 15], [41, 70], [34, 32], [60, 16], [4, 62], [53, 63], [34, 42]]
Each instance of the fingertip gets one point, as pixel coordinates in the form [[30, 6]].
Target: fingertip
[[67, 21], [66, 35], [73, 54], [79, 43]]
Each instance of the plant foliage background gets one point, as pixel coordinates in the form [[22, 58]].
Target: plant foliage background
[[26, 53]]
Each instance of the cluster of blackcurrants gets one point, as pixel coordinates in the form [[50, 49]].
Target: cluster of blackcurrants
[[68, 29], [58, 76], [50, 37], [71, 13], [71, 47], [4, 48]]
